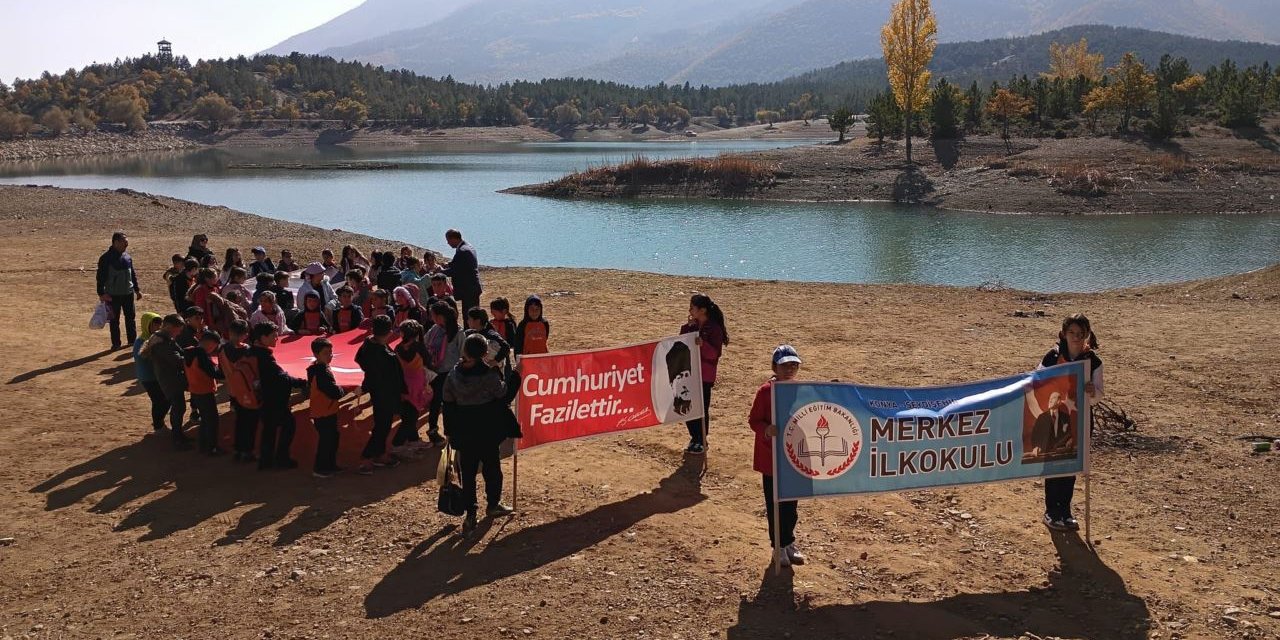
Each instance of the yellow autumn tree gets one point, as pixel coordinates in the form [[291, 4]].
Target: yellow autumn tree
[[908, 40], [1006, 105], [1132, 87], [1074, 61]]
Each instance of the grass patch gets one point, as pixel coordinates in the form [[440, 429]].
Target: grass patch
[[727, 175]]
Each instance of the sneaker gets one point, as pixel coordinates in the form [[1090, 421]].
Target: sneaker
[[386, 462], [435, 438], [323, 474], [245, 456], [793, 554], [783, 558], [1055, 524], [287, 463], [402, 450], [214, 452], [1071, 523], [696, 448], [499, 510], [365, 469], [469, 524]]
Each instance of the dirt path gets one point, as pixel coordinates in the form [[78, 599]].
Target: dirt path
[[115, 535]]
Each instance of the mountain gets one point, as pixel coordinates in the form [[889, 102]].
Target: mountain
[[817, 33], [499, 40], [719, 43], [371, 19]]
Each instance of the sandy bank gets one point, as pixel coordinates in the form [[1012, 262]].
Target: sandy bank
[[115, 534]]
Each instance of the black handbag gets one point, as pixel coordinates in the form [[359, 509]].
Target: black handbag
[[450, 501]]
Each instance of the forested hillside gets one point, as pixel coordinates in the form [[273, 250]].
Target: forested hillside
[[307, 87]]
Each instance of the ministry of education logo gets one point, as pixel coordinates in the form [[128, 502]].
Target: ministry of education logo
[[822, 440]]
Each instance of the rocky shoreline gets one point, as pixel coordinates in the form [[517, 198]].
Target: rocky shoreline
[[1213, 172], [81, 143]]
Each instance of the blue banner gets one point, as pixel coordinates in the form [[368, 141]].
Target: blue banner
[[838, 438]]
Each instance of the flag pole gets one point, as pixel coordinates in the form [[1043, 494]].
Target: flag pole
[[515, 464], [1088, 444], [777, 522]]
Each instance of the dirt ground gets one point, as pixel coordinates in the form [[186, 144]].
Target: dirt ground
[[1216, 171], [110, 533]]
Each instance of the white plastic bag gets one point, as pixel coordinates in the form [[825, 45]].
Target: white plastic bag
[[101, 314]]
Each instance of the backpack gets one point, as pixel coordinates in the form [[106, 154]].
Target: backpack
[[242, 382]]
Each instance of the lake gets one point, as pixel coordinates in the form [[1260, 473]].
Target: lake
[[438, 187]]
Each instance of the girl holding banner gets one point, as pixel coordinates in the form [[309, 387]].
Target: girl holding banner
[[1075, 342], [786, 365], [707, 320]]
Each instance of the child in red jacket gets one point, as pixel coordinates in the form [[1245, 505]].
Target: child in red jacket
[[786, 365]]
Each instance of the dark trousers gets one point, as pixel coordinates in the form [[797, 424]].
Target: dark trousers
[[384, 413], [787, 514], [125, 304], [326, 443], [159, 404], [1057, 496], [437, 402], [473, 460], [695, 426], [177, 413], [207, 405], [246, 427], [277, 435], [468, 299], [408, 431]]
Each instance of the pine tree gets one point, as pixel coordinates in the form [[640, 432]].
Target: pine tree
[[840, 120], [946, 109]]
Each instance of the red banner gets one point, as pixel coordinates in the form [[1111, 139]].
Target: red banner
[[294, 355], [586, 393]]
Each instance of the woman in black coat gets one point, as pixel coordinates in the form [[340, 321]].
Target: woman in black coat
[[476, 421]]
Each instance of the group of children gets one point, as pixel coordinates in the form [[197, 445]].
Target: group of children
[[223, 335]]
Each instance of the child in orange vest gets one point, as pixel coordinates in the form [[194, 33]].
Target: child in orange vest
[[232, 351], [533, 330], [325, 394], [202, 375], [346, 316]]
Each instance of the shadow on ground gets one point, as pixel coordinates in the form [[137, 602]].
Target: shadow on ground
[[163, 491], [444, 565], [1086, 599]]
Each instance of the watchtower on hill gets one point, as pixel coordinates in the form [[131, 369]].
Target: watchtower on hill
[[166, 50]]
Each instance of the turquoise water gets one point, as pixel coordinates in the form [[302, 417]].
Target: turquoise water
[[438, 187]]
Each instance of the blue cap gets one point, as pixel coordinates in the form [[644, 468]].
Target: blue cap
[[784, 354]]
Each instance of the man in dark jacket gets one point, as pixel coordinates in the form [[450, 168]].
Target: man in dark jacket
[[275, 385], [463, 270], [165, 354], [384, 381], [118, 287]]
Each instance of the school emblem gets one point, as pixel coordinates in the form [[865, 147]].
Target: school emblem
[[822, 441]]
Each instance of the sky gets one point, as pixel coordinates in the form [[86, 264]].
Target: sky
[[56, 36]]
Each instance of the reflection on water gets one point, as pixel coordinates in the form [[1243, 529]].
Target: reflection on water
[[444, 186]]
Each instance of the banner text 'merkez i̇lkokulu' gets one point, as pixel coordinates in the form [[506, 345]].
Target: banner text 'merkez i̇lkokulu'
[[837, 438]]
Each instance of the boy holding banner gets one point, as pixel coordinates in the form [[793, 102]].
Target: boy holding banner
[[786, 366]]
